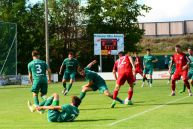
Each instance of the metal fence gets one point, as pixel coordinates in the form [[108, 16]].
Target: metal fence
[[167, 28]]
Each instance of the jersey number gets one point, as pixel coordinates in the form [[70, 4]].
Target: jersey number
[[122, 62], [38, 68]]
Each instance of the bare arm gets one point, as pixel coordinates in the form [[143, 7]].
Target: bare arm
[[114, 74], [131, 60], [91, 63], [90, 83], [49, 75], [30, 77], [61, 68], [49, 107], [155, 60]]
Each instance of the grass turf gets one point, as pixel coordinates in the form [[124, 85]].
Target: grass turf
[[153, 109]]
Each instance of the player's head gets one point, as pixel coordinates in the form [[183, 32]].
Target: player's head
[[148, 51], [35, 54], [121, 53], [178, 48], [70, 55], [81, 71], [76, 101], [135, 54], [190, 50]]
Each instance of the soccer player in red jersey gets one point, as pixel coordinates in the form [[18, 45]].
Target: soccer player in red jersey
[[125, 68], [182, 62]]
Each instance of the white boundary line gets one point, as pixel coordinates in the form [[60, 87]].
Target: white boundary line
[[146, 111]]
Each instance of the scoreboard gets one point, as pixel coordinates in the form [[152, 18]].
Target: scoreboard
[[108, 44]]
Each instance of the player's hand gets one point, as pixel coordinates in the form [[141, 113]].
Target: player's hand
[[38, 108], [184, 67], [94, 61], [60, 73], [49, 81]]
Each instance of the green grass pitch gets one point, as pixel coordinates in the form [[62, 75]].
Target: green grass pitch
[[153, 109]]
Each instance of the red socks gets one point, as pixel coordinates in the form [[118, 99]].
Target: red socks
[[130, 94]]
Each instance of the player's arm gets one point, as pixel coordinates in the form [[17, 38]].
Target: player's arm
[[90, 83], [143, 62], [49, 75], [49, 107], [131, 60], [61, 68], [115, 74], [91, 63], [172, 63], [30, 77], [155, 60], [187, 64]]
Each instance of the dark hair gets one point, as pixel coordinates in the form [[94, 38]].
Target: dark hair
[[70, 53], [121, 53], [79, 69], [191, 48], [148, 49], [35, 53], [76, 101], [178, 46]]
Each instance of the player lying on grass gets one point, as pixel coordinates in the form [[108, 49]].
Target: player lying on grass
[[182, 62], [95, 82], [125, 68], [190, 72], [56, 113], [37, 75]]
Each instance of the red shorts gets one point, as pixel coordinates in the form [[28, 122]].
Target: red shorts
[[125, 77], [177, 75], [138, 71]]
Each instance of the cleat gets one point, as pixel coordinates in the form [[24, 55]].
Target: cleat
[[150, 85], [113, 104], [63, 91], [172, 94], [66, 92], [129, 102], [31, 107], [190, 94], [142, 84]]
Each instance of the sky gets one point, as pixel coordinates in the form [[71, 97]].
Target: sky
[[164, 10]]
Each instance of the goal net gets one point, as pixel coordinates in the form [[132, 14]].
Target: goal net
[[8, 50]]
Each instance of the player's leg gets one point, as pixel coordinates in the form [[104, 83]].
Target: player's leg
[[72, 79], [143, 80], [83, 92], [175, 77], [43, 93], [107, 93], [31, 106], [64, 79], [185, 79], [130, 81]]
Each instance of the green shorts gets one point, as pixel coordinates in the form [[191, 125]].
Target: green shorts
[[69, 75], [190, 75], [41, 87], [148, 71], [100, 87], [53, 114]]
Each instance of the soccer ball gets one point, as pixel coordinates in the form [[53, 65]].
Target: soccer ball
[[126, 100]]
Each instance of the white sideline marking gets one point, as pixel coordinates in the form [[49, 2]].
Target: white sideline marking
[[146, 111]]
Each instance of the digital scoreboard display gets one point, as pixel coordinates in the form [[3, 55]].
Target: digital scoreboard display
[[108, 44]]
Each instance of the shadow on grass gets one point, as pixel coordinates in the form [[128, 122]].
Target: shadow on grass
[[87, 120]]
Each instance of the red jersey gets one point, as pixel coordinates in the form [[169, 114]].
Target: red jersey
[[137, 63], [123, 65], [180, 60]]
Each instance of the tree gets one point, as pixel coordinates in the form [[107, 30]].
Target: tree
[[115, 16]]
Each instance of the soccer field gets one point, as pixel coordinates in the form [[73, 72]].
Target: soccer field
[[153, 109]]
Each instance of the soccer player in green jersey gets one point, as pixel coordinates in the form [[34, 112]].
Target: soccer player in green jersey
[[70, 65], [173, 68], [63, 113], [95, 82], [37, 75], [190, 71], [148, 62]]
